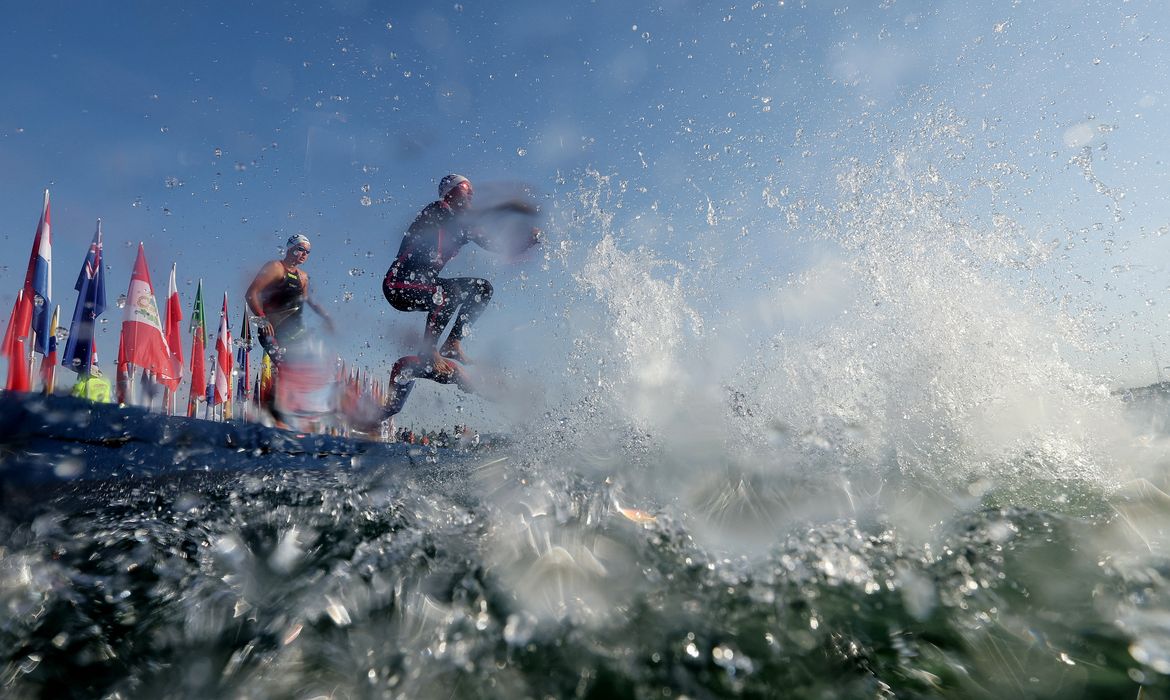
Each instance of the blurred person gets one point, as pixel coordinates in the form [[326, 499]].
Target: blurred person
[[92, 386], [436, 236], [277, 297]]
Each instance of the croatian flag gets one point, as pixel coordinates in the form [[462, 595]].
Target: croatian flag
[[223, 364], [174, 341], [143, 343], [38, 281], [80, 348]]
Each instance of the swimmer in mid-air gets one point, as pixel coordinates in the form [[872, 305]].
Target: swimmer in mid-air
[[437, 234]]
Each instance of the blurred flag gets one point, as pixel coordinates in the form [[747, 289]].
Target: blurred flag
[[80, 348], [49, 363], [244, 358], [143, 343], [38, 281], [174, 340], [16, 344], [198, 330], [223, 360], [264, 389]]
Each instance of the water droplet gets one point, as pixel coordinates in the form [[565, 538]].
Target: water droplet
[[366, 201], [219, 153], [521, 152], [121, 303]]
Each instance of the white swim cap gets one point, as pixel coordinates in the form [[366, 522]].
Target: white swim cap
[[449, 182], [296, 239]]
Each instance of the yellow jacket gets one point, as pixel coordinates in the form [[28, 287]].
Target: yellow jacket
[[93, 387]]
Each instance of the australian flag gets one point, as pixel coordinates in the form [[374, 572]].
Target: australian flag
[[91, 303]]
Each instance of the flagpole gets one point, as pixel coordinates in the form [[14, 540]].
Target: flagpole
[[32, 358]]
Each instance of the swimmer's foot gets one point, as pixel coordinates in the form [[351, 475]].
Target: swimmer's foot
[[453, 350], [440, 364]]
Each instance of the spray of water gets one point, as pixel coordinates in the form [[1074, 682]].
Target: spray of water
[[914, 367]]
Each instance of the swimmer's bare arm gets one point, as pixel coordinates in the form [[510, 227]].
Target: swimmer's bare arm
[[314, 305], [271, 272]]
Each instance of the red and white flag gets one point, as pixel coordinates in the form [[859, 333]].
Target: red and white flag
[[15, 345], [223, 358], [143, 343], [198, 352], [174, 340]]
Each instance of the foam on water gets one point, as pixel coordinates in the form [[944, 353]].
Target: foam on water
[[904, 349]]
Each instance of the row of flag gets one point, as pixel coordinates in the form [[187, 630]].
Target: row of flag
[[149, 343]]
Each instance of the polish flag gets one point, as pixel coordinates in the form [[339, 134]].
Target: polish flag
[[174, 340], [143, 343], [223, 361]]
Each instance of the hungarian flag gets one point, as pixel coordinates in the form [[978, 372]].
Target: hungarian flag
[[143, 343], [15, 346], [49, 363], [223, 359], [198, 330], [38, 281], [80, 348], [174, 341]]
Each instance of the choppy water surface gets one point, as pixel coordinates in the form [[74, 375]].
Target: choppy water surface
[[487, 576]]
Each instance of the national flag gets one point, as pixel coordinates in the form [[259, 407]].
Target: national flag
[[80, 348], [264, 383], [16, 344], [49, 363], [198, 330], [174, 340], [244, 358], [143, 343], [223, 359], [38, 281]]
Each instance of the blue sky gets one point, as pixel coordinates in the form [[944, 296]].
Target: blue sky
[[213, 133]]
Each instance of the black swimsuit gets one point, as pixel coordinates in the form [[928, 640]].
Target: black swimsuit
[[413, 284], [283, 303]]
